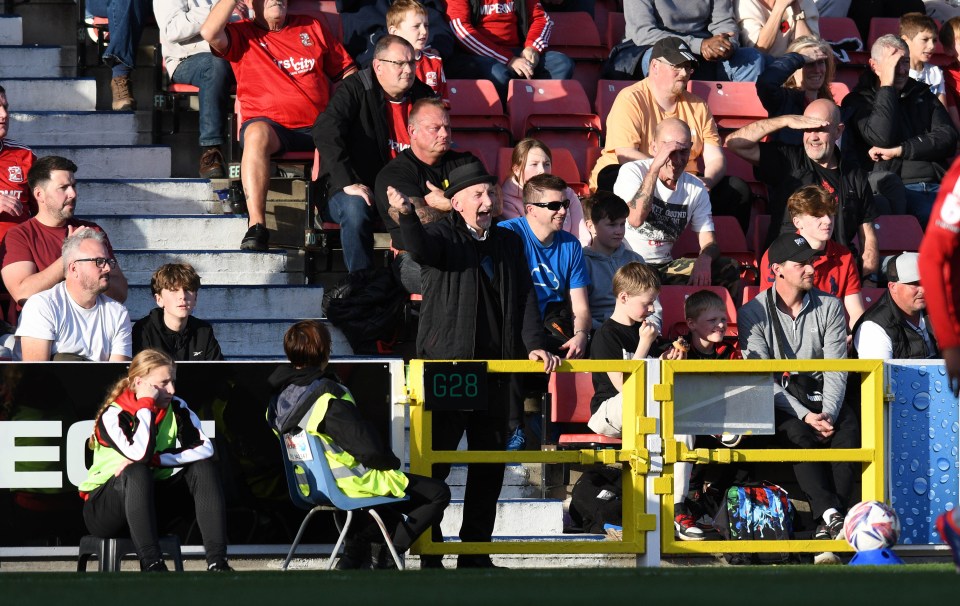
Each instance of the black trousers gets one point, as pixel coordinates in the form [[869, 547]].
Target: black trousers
[[825, 484], [130, 503], [428, 499]]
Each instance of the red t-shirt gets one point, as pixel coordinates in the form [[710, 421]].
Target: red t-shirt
[[430, 72], [15, 163], [835, 272], [940, 261], [41, 245], [398, 137], [285, 75]]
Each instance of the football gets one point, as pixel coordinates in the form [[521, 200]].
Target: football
[[871, 525]]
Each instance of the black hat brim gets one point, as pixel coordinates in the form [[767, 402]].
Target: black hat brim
[[457, 187]]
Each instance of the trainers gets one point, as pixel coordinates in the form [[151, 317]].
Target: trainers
[[729, 439], [613, 532], [947, 528], [122, 98], [356, 556], [219, 566], [686, 529], [517, 439], [211, 164], [155, 566], [256, 238], [827, 558]]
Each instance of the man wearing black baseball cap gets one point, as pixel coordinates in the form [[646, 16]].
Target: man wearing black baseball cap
[[478, 304], [794, 320]]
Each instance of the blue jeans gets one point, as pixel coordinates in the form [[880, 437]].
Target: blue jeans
[[745, 65], [920, 199], [213, 76], [127, 19], [552, 66], [356, 228]]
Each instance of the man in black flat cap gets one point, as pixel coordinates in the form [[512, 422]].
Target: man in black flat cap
[[478, 304], [794, 320]]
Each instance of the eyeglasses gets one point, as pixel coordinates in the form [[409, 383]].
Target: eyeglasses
[[683, 67], [552, 205], [99, 261], [411, 64]]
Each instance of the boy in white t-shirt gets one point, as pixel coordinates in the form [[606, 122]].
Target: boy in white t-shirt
[[920, 33], [408, 19]]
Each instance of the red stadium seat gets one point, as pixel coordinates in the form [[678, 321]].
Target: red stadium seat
[[475, 109], [839, 90], [320, 10], [575, 35], [733, 104], [607, 91], [730, 240], [738, 167], [484, 148], [616, 29], [838, 29], [673, 298], [871, 296], [880, 26], [555, 111], [570, 394], [897, 234], [749, 294], [757, 235]]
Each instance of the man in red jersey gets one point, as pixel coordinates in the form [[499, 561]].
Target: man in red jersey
[[16, 205], [940, 272], [283, 67]]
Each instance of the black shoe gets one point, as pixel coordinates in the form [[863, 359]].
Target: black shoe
[[154, 566], [431, 561], [356, 556], [475, 561], [257, 238], [382, 558], [219, 566]]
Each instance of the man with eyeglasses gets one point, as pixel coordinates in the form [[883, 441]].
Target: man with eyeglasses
[[31, 251], [639, 108], [422, 173], [557, 266], [360, 131], [283, 65], [75, 319], [663, 199], [786, 168]]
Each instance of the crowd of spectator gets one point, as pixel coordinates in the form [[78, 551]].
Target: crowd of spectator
[[528, 269]]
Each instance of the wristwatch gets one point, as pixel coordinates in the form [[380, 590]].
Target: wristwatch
[[800, 16]]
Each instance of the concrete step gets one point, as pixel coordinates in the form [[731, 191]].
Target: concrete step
[[35, 61], [515, 518], [51, 94], [217, 268], [200, 232], [148, 196], [115, 161], [11, 30], [36, 128], [275, 302], [518, 482], [263, 339]]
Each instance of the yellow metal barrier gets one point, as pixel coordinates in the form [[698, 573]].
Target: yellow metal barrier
[[633, 452], [870, 454]]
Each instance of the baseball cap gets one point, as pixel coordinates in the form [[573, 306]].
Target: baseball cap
[[791, 247], [904, 269], [673, 50]]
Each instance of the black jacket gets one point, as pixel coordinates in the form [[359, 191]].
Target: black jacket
[[449, 265], [879, 116], [779, 100], [351, 133], [343, 421], [907, 344], [194, 342]]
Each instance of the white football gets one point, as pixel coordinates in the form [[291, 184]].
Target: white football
[[871, 525]]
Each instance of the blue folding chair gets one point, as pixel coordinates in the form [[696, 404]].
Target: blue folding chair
[[312, 486]]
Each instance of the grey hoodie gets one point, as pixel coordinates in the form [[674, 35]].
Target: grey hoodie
[[601, 268]]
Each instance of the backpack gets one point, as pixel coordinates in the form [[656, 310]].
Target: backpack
[[752, 512], [367, 306], [597, 499]]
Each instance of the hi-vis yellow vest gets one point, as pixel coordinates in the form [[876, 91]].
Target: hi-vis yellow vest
[[352, 477]]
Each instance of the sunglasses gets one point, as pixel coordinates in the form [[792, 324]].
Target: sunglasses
[[552, 205]]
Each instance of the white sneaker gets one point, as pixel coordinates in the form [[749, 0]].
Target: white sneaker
[[826, 558]]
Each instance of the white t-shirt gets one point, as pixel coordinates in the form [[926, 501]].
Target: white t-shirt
[[95, 333], [932, 76], [670, 211]]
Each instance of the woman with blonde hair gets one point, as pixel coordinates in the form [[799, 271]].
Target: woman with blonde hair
[[142, 435], [532, 157], [792, 81]]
